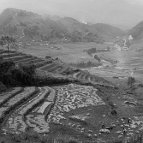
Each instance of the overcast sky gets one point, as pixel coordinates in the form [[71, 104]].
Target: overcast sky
[[124, 13]]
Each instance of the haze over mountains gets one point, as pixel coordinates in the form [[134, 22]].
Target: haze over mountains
[[137, 31], [29, 25]]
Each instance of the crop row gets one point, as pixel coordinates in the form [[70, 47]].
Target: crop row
[[5, 51], [25, 59], [9, 55], [38, 100], [47, 65], [17, 57], [6, 96], [32, 113], [55, 67], [38, 121], [16, 101], [32, 61], [87, 77]]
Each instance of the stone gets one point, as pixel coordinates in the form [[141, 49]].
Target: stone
[[104, 131]]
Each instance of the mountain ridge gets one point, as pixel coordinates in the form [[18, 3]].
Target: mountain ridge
[[137, 31], [31, 25]]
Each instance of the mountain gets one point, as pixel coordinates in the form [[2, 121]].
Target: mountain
[[106, 31], [137, 31], [28, 25]]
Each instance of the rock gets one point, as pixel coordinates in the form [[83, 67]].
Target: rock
[[130, 103], [90, 131], [118, 132], [109, 128], [126, 125], [105, 131], [124, 132], [103, 115], [82, 130], [89, 135], [114, 112], [88, 114]]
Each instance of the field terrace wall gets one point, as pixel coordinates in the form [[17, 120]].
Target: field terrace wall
[[38, 105], [54, 66], [16, 101], [4, 97]]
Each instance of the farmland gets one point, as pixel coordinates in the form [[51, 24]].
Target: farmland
[[92, 109]]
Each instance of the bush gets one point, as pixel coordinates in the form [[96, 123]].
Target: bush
[[24, 74], [5, 66], [85, 64], [2, 87], [131, 81], [10, 74]]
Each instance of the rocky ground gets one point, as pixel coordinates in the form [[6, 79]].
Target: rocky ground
[[71, 113]]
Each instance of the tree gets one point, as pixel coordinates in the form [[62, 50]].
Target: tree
[[131, 81], [8, 41]]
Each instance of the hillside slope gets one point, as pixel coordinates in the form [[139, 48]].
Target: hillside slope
[[137, 31], [106, 31], [28, 25]]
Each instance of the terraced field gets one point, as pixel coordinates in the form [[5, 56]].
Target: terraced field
[[45, 109], [17, 103], [95, 80], [39, 108], [49, 65], [53, 66], [78, 108]]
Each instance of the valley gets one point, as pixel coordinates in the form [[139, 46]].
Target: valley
[[83, 111], [64, 81]]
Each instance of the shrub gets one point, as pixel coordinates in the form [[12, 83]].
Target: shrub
[[10, 74], [131, 81], [24, 74], [5, 66], [2, 87]]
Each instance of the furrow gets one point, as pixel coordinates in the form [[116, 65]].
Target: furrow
[[79, 75], [52, 69], [25, 60], [17, 58], [31, 105], [41, 64], [10, 55], [75, 75], [20, 118], [8, 95], [33, 61], [17, 100], [46, 68], [62, 69], [5, 51]]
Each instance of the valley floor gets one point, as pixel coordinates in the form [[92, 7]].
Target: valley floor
[[94, 109]]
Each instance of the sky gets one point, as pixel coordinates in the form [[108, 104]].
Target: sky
[[121, 13]]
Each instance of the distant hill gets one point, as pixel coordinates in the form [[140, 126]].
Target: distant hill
[[106, 31], [28, 25], [137, 31]]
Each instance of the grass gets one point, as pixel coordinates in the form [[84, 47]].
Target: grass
[[69, 53], [87, 64], [64, 134]]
